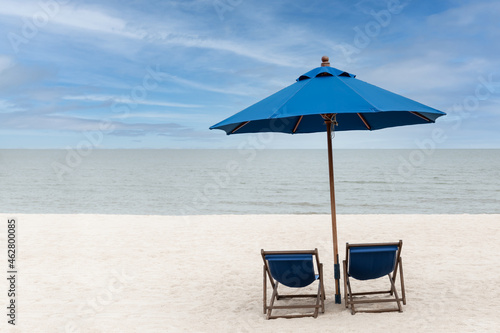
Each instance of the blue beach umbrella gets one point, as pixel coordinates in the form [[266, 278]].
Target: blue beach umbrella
[[329, 99]]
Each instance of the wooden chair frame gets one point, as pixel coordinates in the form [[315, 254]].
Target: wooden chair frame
[[320, 296], [351, 298]]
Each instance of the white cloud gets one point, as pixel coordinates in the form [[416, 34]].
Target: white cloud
[[468, 15], [93, 20], [420, 73], [19, 8], [96, 20], [128, 100], [157, 115], [52, 12], [6, 106], [238, 90], [5, 63], [16, 75], [251, 50]]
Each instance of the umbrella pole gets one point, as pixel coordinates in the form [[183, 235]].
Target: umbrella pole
[[334, 214]]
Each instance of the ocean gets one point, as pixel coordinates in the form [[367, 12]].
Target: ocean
[[198, 182]]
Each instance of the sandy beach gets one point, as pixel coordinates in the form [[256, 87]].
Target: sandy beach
[[110, 273]]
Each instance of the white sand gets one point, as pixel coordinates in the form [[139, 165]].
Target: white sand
[[108, 273]]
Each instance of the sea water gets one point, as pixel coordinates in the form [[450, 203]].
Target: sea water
[[193, 182]]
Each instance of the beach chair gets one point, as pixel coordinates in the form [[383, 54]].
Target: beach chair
[[373, 261], [293, 269]]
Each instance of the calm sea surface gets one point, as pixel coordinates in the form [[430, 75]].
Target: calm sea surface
[[180, 182]]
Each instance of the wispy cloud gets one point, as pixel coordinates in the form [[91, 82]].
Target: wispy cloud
[[192, 117], [81, 125], [7, 107], [5, 63], [129, 100], [98, 21], [67, 15], [241, 90]]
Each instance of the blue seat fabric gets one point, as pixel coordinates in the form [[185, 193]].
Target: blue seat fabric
[[371, 262], [295, 271]]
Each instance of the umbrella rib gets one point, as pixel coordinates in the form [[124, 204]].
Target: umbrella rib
[[355, 91], [289, 98], [364, 98], [421, 116], [364, 121], [297, 124], [239, 126]]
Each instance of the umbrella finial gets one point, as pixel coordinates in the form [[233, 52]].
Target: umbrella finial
[[325, 61]]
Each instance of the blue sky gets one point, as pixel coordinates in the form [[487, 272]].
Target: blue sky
[[157, 74]]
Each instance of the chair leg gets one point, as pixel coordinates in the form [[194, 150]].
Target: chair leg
[[393, 290], [273, 297], [393, 278], [345, 283], [351, 298], [323, 295], [264, 298], [318, 298], [401, 279]]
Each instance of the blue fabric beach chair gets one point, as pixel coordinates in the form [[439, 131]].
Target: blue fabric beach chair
[[294, 269], [373, 261]]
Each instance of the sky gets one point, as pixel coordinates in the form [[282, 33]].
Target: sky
[[157, 74]]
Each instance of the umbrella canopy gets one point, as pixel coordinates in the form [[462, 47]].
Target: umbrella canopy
[[335, 98], [327, 90]]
